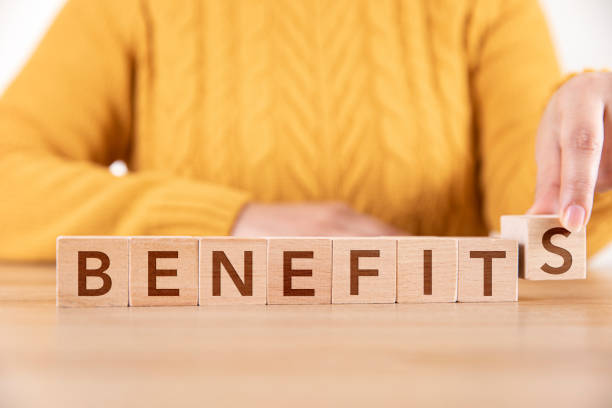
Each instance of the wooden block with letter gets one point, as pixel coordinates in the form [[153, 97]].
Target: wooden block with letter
[[233, 271], [299, 270], [163, 271], [364, 270], [548, 251], [488, 270], [92, 271], [426, 270]]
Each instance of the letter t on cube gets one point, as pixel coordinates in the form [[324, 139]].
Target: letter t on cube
[[488, 270], [547, 250]]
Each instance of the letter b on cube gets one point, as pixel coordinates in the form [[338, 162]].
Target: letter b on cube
[[92, 271]]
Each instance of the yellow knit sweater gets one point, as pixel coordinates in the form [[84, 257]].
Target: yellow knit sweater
[[422, 113]]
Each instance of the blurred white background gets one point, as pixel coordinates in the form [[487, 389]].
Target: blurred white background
[[582, 31]]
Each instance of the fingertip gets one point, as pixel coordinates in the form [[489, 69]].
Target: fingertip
[[574, 218]]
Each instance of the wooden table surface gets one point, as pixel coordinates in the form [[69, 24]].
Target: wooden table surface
[[552, 348]]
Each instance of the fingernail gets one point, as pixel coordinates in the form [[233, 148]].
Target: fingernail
[[574, 216]]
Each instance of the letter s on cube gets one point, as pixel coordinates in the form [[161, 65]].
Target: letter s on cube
[[547, 250]]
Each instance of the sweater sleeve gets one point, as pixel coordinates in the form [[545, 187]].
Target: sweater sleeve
[[513, 71], [63, 120]]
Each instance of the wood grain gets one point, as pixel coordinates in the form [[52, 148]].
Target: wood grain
[[552, 348]]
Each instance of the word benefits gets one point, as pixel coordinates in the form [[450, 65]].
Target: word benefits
[[174, 271]]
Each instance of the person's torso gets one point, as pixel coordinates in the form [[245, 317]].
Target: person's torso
[[366, 102]]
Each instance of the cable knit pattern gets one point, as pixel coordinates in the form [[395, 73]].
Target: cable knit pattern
[[419, 112]]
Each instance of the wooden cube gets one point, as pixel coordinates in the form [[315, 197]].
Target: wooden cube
[[233, 271], [299, 271], [163, 271], [426, 270], [488, 270], [92, 271], [547, 250], [363, 270]]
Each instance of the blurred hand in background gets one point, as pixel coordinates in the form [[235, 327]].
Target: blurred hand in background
[[309, 219]]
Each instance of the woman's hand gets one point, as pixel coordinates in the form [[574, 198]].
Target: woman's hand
[[573, 149], [319, 219]]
